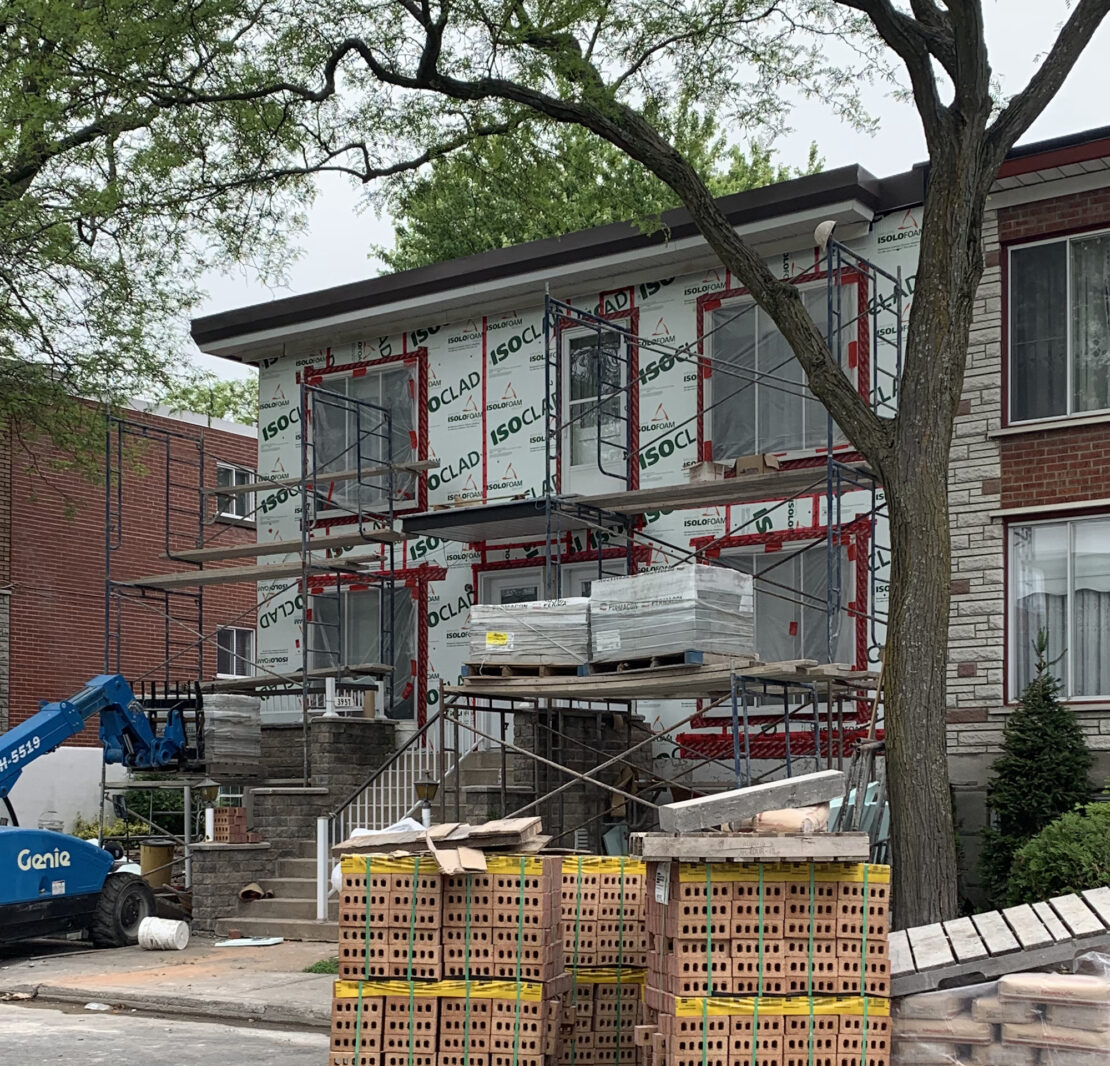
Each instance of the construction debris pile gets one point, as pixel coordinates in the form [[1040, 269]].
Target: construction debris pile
[[626, 619], [1023, 1019]]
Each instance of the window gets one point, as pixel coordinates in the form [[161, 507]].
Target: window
[[596, 411], [240, 505], [1060, 582], [234, 652], [346, 630], [790, 616], [758, 397], [1060, 328], [351, 436]]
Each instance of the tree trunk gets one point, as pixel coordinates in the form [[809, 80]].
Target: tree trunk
[[923, 846]]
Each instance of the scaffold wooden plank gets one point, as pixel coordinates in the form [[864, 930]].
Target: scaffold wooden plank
[[229, 575], [288, 547], [416, 466]]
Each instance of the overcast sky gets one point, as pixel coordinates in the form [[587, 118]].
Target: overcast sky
[[335, 245]]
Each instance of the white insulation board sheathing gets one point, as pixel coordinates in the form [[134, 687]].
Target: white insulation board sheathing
[[689, 608], [552, 632]]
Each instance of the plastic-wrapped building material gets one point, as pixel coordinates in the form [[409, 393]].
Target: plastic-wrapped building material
[[689, 608], [1023, 1019], [232, 736], [549, 632]]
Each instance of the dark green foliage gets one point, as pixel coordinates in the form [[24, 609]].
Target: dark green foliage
[[1041, 774], [1069, 855]]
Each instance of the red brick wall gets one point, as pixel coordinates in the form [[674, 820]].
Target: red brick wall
[[1064, 214], [1063, 464], [58, 563], [1056, 466]]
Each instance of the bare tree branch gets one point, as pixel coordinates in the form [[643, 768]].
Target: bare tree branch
[[1024, 108]]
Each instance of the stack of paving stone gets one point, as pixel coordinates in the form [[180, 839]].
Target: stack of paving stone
[[440, 970], [605, 937], [770, 964]]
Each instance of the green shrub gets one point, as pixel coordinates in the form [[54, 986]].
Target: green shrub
[[89, 828], [1041, 774], [324, 966], [1069, 855]]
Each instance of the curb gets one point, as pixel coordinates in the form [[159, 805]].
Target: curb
[[184, 1006]]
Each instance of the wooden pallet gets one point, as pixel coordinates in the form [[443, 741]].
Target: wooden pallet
[[655, 662], [985, 946], [474, 672]]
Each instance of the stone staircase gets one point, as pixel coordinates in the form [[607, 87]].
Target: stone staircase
[[291, 913]]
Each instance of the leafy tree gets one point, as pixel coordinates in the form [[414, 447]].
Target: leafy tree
[[607, 65], [135, 152], [1069, 855], [1041, 774], [206, 394], [544, 181]]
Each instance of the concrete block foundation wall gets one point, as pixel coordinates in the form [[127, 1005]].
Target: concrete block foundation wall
[[219, 872], [581, 805]]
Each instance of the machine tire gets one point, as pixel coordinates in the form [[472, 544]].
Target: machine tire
[[125, 900]]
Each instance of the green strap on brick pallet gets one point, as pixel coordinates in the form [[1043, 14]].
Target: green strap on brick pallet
[[412, 934], [812, 918], [466, 968], [620, 962], [863, 969], [519, 953], [759, 967]]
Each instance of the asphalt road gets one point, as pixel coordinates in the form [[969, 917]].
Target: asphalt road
[[86, 1038]]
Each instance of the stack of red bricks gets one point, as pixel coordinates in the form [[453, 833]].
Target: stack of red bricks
[[443, 970], [778, 964], [229, 825], [605, 934]]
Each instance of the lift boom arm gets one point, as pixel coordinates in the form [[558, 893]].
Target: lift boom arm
[[125, 731]]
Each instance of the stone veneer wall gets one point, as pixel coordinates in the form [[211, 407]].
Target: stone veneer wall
[[219, 872], [609, 734], [980, 482]]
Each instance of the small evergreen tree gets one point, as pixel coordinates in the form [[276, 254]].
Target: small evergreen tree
[[1041, 774]]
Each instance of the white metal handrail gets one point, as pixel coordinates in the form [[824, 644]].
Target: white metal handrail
[[433, 752]]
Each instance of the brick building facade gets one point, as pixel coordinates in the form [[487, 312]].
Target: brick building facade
[[1030, 479], [52, 556]]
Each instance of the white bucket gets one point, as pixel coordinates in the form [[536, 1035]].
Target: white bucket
[[163, 934]]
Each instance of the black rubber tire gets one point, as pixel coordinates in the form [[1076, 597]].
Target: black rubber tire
[[125, 900]]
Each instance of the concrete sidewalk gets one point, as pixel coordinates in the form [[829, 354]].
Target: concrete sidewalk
[[242, 983]]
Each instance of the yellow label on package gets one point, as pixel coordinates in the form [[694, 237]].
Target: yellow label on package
[[820, 872], [407, 864], [498, 640], [604, 864], [717, 1006], [526, 991]]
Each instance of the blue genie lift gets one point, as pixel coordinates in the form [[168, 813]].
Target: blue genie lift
[[55, 883]]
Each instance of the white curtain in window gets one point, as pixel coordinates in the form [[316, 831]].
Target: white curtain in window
[[1039, 575], [1090, 323], [732, 395], [1090, 653]]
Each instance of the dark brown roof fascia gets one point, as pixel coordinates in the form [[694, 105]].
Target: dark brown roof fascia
[[744, 208]]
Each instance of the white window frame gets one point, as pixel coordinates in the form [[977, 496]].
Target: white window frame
[[239, 502], [1069, 414], [340, 383], [234, 653], [1013, 695], [741, 304], [586, 477]]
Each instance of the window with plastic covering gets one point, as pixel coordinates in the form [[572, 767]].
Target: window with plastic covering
[[347, 629], [351, 433]]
